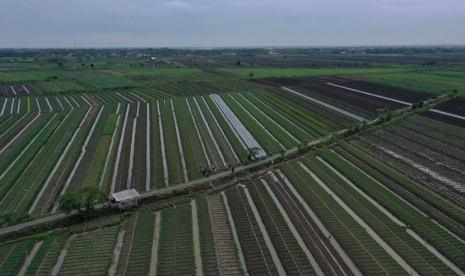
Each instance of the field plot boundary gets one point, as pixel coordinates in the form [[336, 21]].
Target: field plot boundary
[[353, 116]]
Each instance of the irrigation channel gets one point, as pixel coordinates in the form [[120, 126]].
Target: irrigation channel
[[156, 241], [163, 150], [120, 150], [148, 165], [196, 237], [29, 258], [116, 252], [61, 257]]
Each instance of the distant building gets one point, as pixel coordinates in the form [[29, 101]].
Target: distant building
[[153, 59], [272, 51]]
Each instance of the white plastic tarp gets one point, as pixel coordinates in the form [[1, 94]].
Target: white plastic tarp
[[125, 195]]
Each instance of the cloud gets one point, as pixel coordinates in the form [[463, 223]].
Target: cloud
[[158, 23], [184, 6]]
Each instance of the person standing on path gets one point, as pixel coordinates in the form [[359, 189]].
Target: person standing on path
[[232, 169]]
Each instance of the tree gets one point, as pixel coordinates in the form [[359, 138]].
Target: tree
[[36, 59], [24, 58], [282, 153], [88, 57], [251, 75], [89, 194], [251, 153], [75, 200], [238, 63], [79, 59], [69, 202], [83, 64], [141, 64], [60, 64], [303, 144], [92, 66]]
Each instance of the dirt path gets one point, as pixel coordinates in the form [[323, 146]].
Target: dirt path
[[156, 192]]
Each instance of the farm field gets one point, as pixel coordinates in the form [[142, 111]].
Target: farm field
[[349, 178], [329, 212]]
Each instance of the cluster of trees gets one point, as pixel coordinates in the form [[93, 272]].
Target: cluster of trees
[[167, 52]]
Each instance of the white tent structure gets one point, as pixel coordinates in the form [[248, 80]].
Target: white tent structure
[[125, 199]]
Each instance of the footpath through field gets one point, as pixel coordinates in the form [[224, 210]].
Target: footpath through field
[[156, 192]]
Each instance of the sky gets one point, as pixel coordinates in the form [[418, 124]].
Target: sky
[[222, 23]]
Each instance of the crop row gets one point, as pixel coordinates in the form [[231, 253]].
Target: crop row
[[125, 252], [209, 256], [204, 128], [15, 257], [26, 140], [171, 145], [293, 258], [425, 164], [369, 256], [62, 139], [278, 117], [361, 107], [300, 117], [156, 156], [411, 191], [453, 139], [222, 237], [185, 136], [331, 119], [267, 142], [232, 138], [139, 257], [37, 169], [221, 140], [190, 136], [272, 127], [41, 254], [324, 253], [78, 254], [434, 234], [257, 255], [198, 88], [176, 256], [412, 251]]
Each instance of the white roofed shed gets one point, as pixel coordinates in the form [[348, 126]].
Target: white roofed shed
[[125, 199]]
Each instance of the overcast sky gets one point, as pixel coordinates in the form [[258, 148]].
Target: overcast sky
[[158, 23]]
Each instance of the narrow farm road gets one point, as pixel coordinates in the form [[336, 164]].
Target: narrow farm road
[[156, 192]]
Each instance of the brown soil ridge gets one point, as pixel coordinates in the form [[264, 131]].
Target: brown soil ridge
[[115, 73], [92, 111]]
